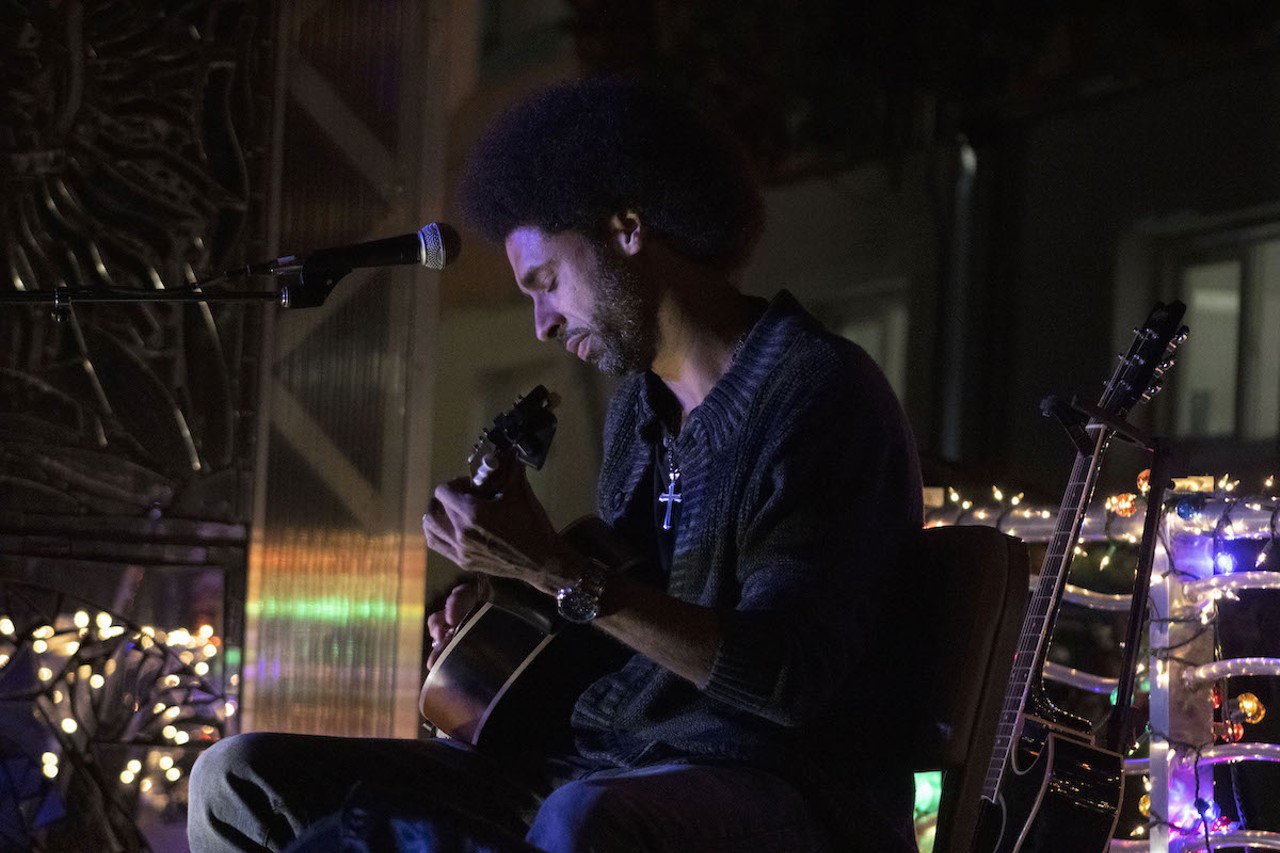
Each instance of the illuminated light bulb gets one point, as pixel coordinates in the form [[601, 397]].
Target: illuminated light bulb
[[168, 732], [134, 766], [50, 771], [1126, 505], [103, 620], [148, 631], [4, 659], [173, 774], [166, 761], [179, 637], [1224, 563], [49, 758], [181, 738], [127, 777], [210, 650], [44, 673], [57, 697], [1269, 482], [1251, 707], [1231, 731], [81, 619], [110, 668], [146, 784], [1144, 480], [205, 632], [954, 496], [171, 681], [6, 626], [39, 646], [1146, 784], [1144, 805], [230, 709], [996, 493], [966, 504], [201, 668], [44, 632], [186, 657], [158, 708], [172, 712], [96, 681], [1016, 499], [71, 647], [69, 725]]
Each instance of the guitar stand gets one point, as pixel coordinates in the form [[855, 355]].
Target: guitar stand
[[1167, 458]]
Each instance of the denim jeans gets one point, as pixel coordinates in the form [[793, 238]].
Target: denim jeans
[[257, 792]]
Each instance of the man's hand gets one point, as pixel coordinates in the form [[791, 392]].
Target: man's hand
[[505, 534], [443, 623]]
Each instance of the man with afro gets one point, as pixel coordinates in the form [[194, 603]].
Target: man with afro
[[760, 465]]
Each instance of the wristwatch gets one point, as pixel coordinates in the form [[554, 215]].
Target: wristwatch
[[580, 602]]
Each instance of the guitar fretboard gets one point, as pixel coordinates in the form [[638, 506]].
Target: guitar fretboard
[[1037, 626]]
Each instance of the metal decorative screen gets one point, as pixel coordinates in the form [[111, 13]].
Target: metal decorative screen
[[133, 155]]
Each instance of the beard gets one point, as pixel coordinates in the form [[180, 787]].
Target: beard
[[624, 325]]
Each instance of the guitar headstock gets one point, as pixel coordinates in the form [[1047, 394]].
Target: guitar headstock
[[1139, 376], [524, 432]]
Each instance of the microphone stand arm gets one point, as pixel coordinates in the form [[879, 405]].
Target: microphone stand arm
[[298, 287]]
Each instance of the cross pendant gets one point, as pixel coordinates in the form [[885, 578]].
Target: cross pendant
[[670, 497]]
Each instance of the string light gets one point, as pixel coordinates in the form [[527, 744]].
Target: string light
[[75, 652]]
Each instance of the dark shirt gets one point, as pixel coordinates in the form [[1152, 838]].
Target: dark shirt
[[799, 482]]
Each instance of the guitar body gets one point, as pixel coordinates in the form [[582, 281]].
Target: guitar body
[[508, 678], [510, 675], [1059, 794]]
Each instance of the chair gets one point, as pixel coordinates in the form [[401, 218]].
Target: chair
[[971, 587]]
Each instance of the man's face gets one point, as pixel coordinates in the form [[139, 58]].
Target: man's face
[[587, 296]]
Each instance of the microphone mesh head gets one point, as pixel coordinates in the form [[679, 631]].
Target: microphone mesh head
[[440, 245]]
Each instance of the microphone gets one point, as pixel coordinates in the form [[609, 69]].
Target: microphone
[[433, 246]]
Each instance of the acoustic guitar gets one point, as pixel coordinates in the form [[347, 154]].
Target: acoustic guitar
[[1049, 786], [508, 677]]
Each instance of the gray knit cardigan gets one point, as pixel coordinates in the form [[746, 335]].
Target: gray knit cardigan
[[800, 481]]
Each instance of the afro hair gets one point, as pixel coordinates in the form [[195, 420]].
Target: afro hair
[[570, 157]]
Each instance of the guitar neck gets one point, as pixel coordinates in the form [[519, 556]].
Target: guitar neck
[[1037, 625]]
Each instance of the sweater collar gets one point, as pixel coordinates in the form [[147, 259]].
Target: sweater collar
[[718, 416]]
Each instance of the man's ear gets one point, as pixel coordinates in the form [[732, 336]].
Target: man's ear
[[626, 232]]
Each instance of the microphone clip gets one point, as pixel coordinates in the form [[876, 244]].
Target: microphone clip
[[309, 285]]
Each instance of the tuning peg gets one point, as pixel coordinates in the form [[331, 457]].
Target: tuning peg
[[1180, 338], [1153, 389], [1163, 367]]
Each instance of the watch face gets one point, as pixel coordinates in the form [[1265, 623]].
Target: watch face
[[577, 605]]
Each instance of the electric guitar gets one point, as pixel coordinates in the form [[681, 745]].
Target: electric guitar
[[508, 677], [1049, 786]]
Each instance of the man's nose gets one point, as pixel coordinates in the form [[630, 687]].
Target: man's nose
[[547, 322]]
